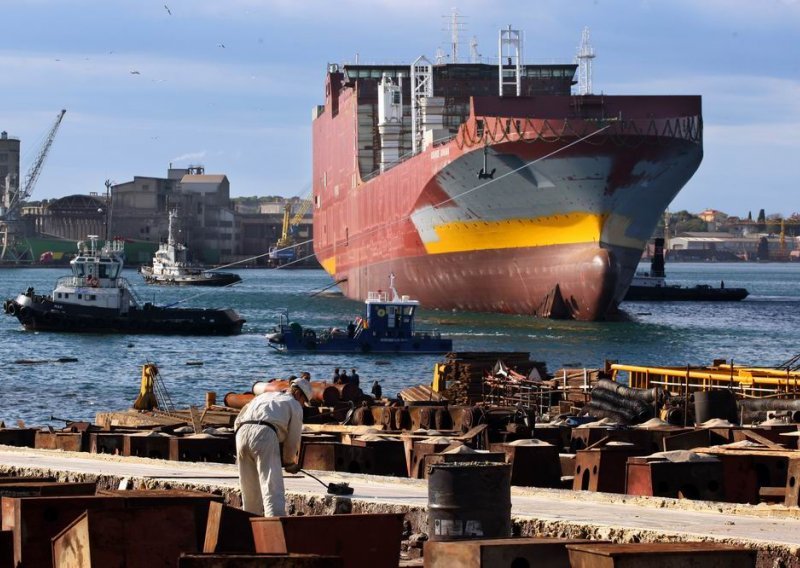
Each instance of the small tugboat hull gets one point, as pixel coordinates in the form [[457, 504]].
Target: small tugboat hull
[[202, 279], [40, 313]]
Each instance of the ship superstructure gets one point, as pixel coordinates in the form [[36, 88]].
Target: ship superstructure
[[493, 187]]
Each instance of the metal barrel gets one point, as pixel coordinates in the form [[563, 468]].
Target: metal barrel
[[715, 404], [469, 500]]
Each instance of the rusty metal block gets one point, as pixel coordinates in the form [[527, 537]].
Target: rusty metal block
[[228, 530], [360, 540], [203, 449], [539, 552], [691, 439], [658, 477], [771, 433], [335, 456], [602, 469], [420, 449], [661, 555], [559, 436], [259, 561], [432, 459], [149, 445], [199, 501], [567, 464], [386, 456], [793, 483], [532, 466], [107, 443], [66, 441], [19, 437], [45, 489], [153, 537], [35, 520], [6, 549]]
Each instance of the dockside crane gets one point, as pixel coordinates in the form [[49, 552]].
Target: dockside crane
[[283, 251], [14, 247]]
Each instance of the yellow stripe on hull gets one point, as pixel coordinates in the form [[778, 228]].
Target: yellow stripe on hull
[[570, 228], [329, 264]]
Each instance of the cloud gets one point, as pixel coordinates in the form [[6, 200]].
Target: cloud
[[190, 157]]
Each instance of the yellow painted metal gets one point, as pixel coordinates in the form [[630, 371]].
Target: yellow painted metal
[[570, 228], [329, 264], [748, 381], [147, 397]]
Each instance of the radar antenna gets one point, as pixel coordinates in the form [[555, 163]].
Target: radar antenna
[[474, 56], [584, 60]]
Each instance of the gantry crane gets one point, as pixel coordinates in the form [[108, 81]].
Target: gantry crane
[[14, 247]]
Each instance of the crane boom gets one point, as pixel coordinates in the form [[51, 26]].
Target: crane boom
[[13, 246], [36, 168]]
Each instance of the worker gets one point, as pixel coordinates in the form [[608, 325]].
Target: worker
[[336, 376], [268, 432]]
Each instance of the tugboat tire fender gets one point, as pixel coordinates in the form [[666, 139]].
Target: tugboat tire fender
[[24, 311], [12, 308]]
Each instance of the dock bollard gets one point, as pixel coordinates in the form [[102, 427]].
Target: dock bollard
[[469, 500]]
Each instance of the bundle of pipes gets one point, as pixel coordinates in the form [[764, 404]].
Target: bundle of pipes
[[760, 409], [610, 399], [325, 393]]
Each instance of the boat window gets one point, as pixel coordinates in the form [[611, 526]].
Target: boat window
[[78, 269], [80, 296], [102, 271], [66, 295], [59, 294], [112, 270], [408, 310]]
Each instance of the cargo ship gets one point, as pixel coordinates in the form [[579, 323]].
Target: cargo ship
[[493, 188]]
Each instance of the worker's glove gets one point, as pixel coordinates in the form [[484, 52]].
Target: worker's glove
[[292, 468]]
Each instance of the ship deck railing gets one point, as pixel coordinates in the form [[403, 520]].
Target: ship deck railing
[[745, 381]]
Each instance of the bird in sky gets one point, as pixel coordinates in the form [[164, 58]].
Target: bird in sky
[[167, 9], [222, 45], [135, 72]]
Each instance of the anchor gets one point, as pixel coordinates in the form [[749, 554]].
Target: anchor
[[485, 173]]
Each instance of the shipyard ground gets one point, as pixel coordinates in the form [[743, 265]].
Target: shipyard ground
[[773, 529]]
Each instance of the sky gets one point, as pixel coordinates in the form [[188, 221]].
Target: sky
[[230, 84]]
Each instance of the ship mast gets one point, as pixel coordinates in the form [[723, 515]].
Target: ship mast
[[421, 87], [584, 60], [510, 60]]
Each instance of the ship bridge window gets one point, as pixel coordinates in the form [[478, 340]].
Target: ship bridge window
[[79, 269], [408, 310]]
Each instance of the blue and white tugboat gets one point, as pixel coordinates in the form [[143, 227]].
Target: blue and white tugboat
[[96, 299], [387, 327]]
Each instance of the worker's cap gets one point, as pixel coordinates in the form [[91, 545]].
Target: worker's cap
[[304, 386]]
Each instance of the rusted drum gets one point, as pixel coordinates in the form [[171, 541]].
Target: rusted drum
[[469, 500], [322, 391], [237, 400]]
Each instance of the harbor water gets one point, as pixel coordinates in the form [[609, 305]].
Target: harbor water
[[758, 331]]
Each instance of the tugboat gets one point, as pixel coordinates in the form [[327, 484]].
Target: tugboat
[[387, 327], [96, 299], [652, 286], [170, 266]]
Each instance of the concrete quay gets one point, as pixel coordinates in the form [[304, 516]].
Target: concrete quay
[[774, 530]]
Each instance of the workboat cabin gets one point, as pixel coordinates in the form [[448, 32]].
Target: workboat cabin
[[386, 326]]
